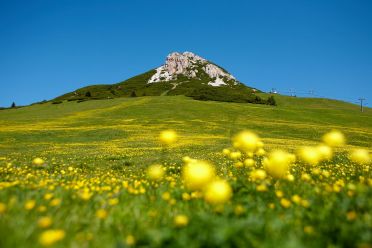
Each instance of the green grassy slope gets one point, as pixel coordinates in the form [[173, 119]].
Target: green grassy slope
[[132, 124], [96, 153], [196, 88]]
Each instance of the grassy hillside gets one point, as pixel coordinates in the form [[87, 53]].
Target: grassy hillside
[[126, 122], [196, 88], [94, 149]]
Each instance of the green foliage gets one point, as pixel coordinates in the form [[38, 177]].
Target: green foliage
[[271, 100], [133, 94]]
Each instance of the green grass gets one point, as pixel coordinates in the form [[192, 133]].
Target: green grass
[[118, 138], [196, 88]]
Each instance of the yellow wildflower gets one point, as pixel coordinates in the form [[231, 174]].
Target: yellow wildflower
[[101, 213], [30, 204], [49, 237], [360, 156], [246, 141], [45, 222], [198, 174], [258, 174], [155, 172], [277, 164], [38, 161], [285, 203], [334, 138], [218, 192], [113, 201], [310, 155], [181, 220], [168, 137], [130, 240]]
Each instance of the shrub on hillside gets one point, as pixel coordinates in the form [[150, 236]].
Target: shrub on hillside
[[271, 101]]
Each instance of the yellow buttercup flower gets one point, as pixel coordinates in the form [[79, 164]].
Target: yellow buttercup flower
[[334, 138], [168, 137], [130, 240], [360, 156], [235, 155], [52, 236], [101, 213], [197, 174], [226, 151], [261, 152], [30, 204], [325, 152], [258, 174], [296, 199], [181, 220], [247, 141], [155, 172], [310, 155], [45, 222], [113, 201], [277, 164], [55, 202], [285, 202], [38, 161], [249, 162], [218, 192], [261, 188], [85, 194]]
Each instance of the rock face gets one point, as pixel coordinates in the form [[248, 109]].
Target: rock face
[[192, 66]]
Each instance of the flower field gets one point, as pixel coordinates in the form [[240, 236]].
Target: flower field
[[174, 172]]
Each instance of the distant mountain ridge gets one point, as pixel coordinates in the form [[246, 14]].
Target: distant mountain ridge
[[182, 74]]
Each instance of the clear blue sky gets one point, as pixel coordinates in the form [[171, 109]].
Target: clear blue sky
[[48, 48]]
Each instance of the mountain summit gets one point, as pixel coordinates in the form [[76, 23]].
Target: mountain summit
[[193, 67], [182, 74]]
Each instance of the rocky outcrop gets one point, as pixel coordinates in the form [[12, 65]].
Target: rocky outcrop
[[190, 65]]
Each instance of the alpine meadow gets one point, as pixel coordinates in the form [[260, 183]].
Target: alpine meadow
[[100, 174], [186, 124]]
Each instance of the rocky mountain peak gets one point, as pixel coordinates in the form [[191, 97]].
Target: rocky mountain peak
[[192, 66]]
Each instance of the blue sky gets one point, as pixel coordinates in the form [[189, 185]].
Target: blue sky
[[48, 48]]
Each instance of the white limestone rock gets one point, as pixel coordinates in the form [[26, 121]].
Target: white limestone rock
[[187, 64]]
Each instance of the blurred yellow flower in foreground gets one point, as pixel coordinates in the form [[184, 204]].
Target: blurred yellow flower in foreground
[[285, 203], [44, 222], [101, 214], [85, 194], [168, 137], [130, 240], [360, 156], [334, 138], [218, 192], [30, 204], [247, 141], [155, 172], [181, 220], [197, 174], [52, 236], [310, 155], [325, 152], [38, 161], [258, 174], [277, 164]]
